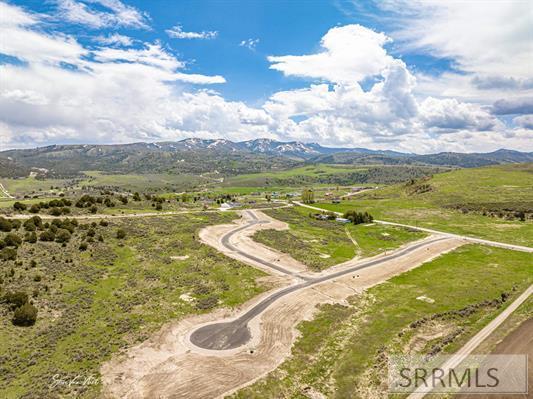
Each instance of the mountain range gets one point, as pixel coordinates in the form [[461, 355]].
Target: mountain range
[[196, 155]]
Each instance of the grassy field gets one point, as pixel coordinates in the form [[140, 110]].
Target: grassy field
[[155, 183], [332, 175], [342, 352], [498, 184], [143, 182], [116, 293], [260, 179], [503, 187], [322, 243], [31, 185]]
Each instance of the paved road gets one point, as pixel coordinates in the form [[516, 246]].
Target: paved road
[[227, 243], [471, 239], [233, 334]]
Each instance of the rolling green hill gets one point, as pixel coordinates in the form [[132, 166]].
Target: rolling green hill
[[196, 156], [493, 202], [333, 174]]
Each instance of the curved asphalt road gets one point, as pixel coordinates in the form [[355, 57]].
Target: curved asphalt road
[[235, 333], [226, 242]]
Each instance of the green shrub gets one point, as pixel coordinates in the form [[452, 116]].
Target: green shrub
[[109, 203], [35, 221], [19, 206], [29, 225], [358, 217], [8, 254], [25, 316], [47, 236], [30, 237], [62, 235], [207, 302], [12, 240], [35, 208], [5, 224], [83, 246], [121, 234], [85, 201], [15, 299], [56, 211], [104, 223]]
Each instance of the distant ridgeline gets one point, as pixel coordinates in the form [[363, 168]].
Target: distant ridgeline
[[196, 156]]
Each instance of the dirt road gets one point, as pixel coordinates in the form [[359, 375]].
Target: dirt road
[[478, 339], [519, 341], [4, 192], [169, 365], [357, 192], [118, 216]]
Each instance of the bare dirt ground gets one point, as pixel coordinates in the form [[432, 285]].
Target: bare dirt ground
[[519, 341], [169, 366], [212, 236]]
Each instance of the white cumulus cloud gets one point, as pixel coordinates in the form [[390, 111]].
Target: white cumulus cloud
[[116, 14], [114, 40], [349, 53], [177, 32], [353, 93]]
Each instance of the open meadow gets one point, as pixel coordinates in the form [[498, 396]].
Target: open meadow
[[320, 244], [493, 203]]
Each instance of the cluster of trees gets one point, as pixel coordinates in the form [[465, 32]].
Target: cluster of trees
[[88, 201], [57, 207], [222, 198], [358, 217], [11, 241], [516, 210], [58, 230], [308, 196], [419, 188], [24, 313]]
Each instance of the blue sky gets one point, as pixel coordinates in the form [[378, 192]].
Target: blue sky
[[391, 74]]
